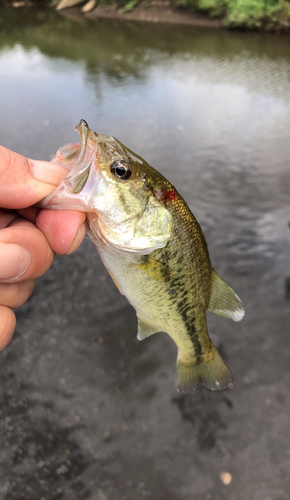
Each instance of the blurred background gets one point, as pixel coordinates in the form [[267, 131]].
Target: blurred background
[[87, 411]]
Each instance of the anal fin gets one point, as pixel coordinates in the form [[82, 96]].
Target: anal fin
[[145, 329], [223, 300]]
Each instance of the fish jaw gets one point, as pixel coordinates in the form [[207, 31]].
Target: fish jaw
[[79, 188]]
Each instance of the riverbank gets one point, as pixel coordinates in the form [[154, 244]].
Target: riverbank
[[232, 14], [156, 11]]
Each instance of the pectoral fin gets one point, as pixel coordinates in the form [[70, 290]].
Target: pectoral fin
[[145, 329], [154, 268], [223, 300]]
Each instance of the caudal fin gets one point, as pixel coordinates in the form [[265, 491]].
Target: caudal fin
[[212, 373]]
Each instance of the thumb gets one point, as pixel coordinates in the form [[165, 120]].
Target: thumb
[[24, 182]]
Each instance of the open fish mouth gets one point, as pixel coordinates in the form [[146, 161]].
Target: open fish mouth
[[76, 190]]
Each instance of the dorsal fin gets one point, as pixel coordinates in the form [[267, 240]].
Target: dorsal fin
[[145, 329], [223, 300]]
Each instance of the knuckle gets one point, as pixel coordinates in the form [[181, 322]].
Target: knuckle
[[23, 292], [15, 294], [5, 160], [13, 169], [7, 326]]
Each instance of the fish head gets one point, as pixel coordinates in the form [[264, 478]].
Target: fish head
[[113, 185], [101, 177]]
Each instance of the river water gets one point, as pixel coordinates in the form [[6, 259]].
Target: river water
[[86, 410]]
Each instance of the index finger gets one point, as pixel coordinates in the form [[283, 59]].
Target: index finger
[[24, 182]]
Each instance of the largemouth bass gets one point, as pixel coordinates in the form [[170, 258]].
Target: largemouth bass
[[152, 246]]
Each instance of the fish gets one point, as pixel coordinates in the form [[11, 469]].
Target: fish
[[153, 248]]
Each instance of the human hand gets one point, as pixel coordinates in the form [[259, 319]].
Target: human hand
[[29, 236]]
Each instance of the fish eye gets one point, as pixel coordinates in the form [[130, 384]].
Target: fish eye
[[121, 169]]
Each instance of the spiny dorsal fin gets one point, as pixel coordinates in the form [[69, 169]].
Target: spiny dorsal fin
[[144, 329], [223, 300]]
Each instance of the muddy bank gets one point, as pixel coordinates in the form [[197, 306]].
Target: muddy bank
[[154, 12], [219, 16], [162, 12]]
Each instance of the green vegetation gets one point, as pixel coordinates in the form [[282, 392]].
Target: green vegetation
[[130, 5], [249, 14]]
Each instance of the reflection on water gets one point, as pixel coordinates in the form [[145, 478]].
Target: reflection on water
[[210, 110]]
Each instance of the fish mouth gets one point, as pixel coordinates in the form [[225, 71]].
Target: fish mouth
[[78, 178], [77, 189]]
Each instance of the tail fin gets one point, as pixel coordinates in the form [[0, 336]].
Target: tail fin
[[211, 373]]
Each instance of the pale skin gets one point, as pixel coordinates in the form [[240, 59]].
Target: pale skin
[[29, 237]]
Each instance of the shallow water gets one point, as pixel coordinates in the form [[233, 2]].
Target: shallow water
[[87, 411]]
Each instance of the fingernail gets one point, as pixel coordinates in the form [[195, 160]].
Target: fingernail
[[78, 239], [45, 171], [14, 261]]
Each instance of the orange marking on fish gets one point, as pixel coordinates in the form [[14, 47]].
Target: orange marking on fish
[[166, 195]]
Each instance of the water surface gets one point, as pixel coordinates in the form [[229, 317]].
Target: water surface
[[85, 407]]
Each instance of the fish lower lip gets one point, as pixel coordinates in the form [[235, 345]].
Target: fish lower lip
[[82, 179], [83, 129]]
